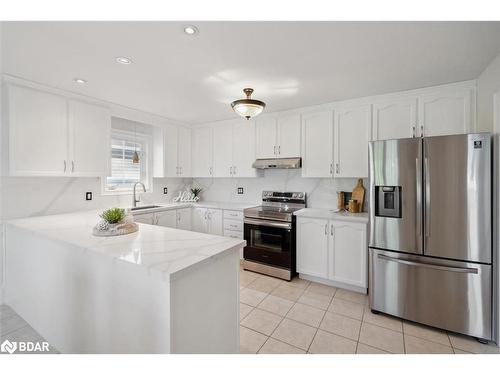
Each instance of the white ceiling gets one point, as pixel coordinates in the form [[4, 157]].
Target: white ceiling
[[289, 64]]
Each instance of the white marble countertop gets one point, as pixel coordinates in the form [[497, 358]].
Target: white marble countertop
[[165, 250], [176, 205], [330, 214]]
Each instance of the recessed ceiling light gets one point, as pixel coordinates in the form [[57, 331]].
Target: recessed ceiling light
[[123, 60], [81, 81], [190, 30]]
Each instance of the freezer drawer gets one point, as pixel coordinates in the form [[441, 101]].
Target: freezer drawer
[[451, 295]]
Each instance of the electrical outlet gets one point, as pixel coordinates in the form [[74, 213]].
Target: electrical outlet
[[165, 190], [88, 196], [240, 190]]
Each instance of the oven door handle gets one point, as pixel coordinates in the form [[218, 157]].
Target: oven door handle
[[273, 224]]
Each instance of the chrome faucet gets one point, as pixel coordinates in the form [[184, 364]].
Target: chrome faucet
[[134, 203]]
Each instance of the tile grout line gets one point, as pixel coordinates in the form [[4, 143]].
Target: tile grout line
[[323, 318]]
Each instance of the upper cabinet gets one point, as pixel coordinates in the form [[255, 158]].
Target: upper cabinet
[[234, 149], [317, 144], [50, 135], [395, 118], [278, 137], [202, 152], [177, 151], [434, 111], [446, 111], [352, 132]]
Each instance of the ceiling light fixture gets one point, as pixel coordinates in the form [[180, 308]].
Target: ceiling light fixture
[[80, 81], [190, 30], [123, 60], [248, 107]]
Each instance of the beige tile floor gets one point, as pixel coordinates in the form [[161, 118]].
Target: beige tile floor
[[303, 317]]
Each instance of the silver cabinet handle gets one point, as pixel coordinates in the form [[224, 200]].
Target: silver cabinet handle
[[331, 168], [326, 229], [427, 211], [72, 166], [206, 213], [231, 171], [413, 128], [274, 149], [180, 169], [64, 166], [331, 229], [428, 265], [337, 168], [422, 131], [279, 150], [234, 170]]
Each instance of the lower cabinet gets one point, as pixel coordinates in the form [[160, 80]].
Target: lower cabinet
[[183, 218], [207, 220], [144, 218], [333, 250], [166, 218]]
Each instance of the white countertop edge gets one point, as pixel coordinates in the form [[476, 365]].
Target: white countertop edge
[[330, 214], [208, 204]]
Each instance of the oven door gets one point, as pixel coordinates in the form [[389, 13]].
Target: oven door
[[268, 242]]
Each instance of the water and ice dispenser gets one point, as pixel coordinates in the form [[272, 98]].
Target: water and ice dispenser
[[388, 201]]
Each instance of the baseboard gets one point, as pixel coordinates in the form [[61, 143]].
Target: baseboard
[[336, 284]]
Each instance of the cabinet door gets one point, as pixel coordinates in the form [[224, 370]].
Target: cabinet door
[[348, 253], [166, 219], [170, 149], [184, 152], [312, 247], [223, 150], [215, 222], [289, 136], [90, 133], [446, 112], [144, 218], [266, 137], [317, 142], [395, 119], [201, 155], [243, 148], [38, 133], [184, 218], [199, 219], [352, 129]]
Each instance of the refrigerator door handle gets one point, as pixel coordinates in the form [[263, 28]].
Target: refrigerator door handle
[[427, 213], [428, 265], [418, 213]]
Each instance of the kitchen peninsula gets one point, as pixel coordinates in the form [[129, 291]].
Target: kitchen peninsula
[[159, 290]]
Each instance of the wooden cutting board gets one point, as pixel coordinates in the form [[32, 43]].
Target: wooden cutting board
[[359, 194]]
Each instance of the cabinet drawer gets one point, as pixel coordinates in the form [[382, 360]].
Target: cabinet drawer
[[234, 215], [233, 225], [233, 234]]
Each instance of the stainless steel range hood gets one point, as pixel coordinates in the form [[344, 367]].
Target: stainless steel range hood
[[282, 163]]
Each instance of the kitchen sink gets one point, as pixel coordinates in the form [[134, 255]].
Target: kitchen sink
[[143, 208]]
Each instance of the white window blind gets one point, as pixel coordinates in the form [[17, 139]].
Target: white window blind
[[124, 172]]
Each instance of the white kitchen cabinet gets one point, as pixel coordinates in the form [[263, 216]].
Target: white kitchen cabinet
[[334, 251], [395, 119], [312, 247], [52, 136], [278, 137], [207, 220], [145, 218], [289, 136], [352, 132], [243, 145], [199, 219], [214, 217], [202, 152], [266, 137], [183, 218], [347, 253], [166, 218], [446, 111], [38, 133], [317, 144], [177, 151], [223, 150], [90, 137]]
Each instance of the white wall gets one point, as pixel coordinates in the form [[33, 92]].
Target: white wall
[[321, 192], [488, 84]]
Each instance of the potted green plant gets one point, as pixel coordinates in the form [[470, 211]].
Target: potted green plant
[[196, 192]]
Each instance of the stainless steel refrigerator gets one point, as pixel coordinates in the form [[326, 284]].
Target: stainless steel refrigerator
[[431, 231]]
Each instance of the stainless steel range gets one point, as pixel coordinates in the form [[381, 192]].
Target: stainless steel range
[[270, 234]]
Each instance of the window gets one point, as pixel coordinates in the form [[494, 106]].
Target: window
[[124, 172]]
